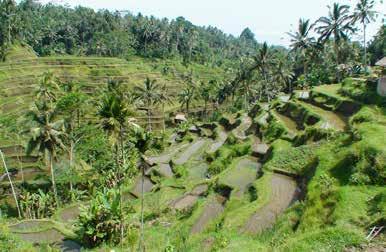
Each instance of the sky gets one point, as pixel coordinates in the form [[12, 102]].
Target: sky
[[268, 19]]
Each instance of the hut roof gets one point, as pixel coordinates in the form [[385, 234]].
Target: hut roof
[[381, 62]]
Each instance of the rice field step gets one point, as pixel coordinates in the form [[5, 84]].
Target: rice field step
[[333, 120]]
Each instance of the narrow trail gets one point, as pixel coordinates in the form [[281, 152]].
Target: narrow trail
[[283, 191]]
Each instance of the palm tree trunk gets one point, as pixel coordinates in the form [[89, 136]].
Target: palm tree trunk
[[148, 119], [141, 244], [10, 182], [71, 161], [53, 178], [163, 116], [21, 166], [336, 49], [364, 46]]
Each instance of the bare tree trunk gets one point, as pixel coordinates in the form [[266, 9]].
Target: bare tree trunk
[[163, 116], [141, 242], [53, 178], [21, 166], [71, 161], [364, 46], [10, 182], [149, 119]]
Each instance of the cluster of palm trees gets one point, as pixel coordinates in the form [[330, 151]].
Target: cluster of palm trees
[[337, 26]]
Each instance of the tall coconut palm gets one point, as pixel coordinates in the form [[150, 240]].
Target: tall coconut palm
[[263, 62], [204, 92], [113, 112], [48, 87], [283, 72], [149, 94], [186, 96], [46, 136], [141, 140], [337, 24], [301, 41], [365, 14], [164, 99]]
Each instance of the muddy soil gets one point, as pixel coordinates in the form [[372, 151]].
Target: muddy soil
[[147, 186], [242, 175], [222, 137], [213, 208], [189, 152], [239, 132], [283, 192]]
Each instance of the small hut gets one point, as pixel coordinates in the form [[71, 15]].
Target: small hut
[[179, 118], [381, 88]]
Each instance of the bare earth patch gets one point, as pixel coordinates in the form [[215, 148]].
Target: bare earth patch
[[283, 192]]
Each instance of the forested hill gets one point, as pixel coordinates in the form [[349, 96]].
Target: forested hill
[[53, 29]]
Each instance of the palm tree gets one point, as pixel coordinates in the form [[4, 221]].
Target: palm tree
[[186, 96], [113, 112], [301, 41], [142, 141], [165, 98], [149, 94], [48, 87], [69, 106], [46, 136], [336, 24], [204, 92], [283, 72], [365, 14], [263, 62]]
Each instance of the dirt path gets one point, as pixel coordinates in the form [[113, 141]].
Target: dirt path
[[283, 191], [241, 175], [213, 208], [189, 152], [239, 132]]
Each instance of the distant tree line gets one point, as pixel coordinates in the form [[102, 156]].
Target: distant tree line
[[54, 29]]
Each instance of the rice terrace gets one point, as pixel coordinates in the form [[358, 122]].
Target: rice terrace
[[123, 131]]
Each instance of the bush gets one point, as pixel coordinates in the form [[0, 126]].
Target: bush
[[101, 220], [224, 156], [293, 159]]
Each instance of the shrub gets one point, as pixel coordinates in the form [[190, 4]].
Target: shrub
[[224, 156], [100, 221]]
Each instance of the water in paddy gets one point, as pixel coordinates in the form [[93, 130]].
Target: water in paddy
[[189, 152], [288, 122], [241, 175], [283, 192], [333, 119]]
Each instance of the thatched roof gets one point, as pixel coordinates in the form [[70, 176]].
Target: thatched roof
[[381, 62]]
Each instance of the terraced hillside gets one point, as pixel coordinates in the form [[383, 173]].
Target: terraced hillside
[[276, 178], [21, 73]]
